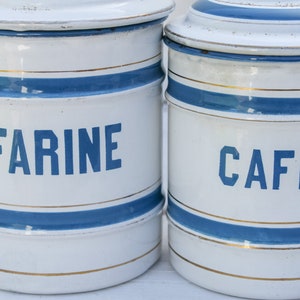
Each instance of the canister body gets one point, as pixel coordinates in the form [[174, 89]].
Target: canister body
[[234, 171], [80, 120]]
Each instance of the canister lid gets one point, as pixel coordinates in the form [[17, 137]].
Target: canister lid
[[21, 15], [264, 27]]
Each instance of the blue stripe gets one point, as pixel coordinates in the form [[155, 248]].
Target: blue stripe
[[79, 33], [16, 87], [234, 233], [228, 56], [232, 103], [248, 13], [80, 219]]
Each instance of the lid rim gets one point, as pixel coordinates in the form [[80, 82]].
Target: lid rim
[[96, 15], [229, 54], [235, 35], [79, 32], [233, 48]]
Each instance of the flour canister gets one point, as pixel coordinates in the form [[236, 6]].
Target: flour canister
[[234, 147], [80, 109]]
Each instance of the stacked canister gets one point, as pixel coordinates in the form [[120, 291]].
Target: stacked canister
[[234, 147], [80, 144], [80, 122]]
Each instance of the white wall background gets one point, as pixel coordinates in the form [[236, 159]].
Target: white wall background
[[181, 8]]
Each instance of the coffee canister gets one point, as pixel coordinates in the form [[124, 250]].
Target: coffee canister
[[80, 110], [234, 147]]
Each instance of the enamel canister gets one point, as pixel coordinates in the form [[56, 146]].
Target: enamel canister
[[80, 109], [234, 147]]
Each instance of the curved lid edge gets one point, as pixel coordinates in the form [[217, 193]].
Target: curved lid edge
[[80, 15], [221, 27]]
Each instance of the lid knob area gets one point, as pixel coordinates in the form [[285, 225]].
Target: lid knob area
[[239, 26]]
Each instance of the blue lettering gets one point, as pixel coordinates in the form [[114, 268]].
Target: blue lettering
[[256, 164], [40, 151], [3, 133], [46, 150], [69, 164], [18, 148], [110, 146], [228, 180], [278, 168], [90, 149]]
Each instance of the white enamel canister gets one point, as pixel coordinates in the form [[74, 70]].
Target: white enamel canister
[[80, 110], [234, 147]]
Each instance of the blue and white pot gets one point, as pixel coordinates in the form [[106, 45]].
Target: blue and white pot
[[80, 121], [234, 147]]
